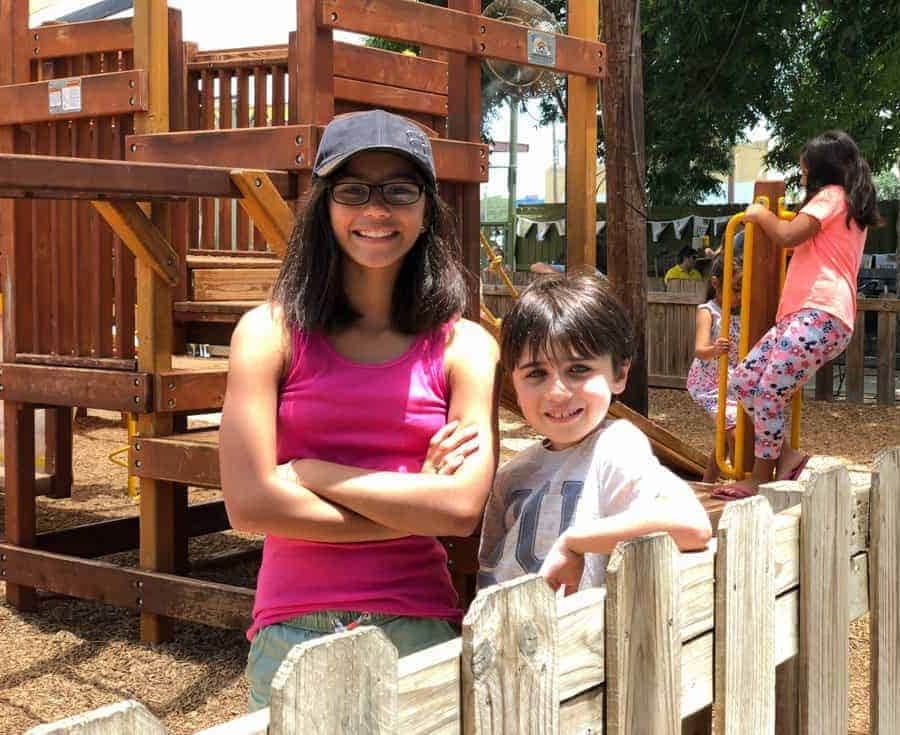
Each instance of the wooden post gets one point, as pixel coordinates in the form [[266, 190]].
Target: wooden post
[[312, 78], [163, 543], [128, 716], [464, 123], [855, 361], [643, 638], [58, 451], [626, 199], [509, 660], [18, 440], [581, 147], [764, 299], [825, 526], [887, 351], [344, 683], [884, 593], [745, 619], [781, 495]]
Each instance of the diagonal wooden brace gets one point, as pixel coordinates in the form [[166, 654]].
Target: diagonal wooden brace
[[141, 236], [269, 212]]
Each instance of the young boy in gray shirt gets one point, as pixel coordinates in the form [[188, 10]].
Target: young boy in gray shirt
[[559, 507]]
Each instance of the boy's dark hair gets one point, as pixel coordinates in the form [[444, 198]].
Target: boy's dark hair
[[430, 288], [833, 158], [563, 315], [686, 252]]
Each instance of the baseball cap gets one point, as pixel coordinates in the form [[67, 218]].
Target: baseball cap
[[373, 130]]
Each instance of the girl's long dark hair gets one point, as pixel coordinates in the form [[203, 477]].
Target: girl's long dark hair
[[717, 270], [833, 158], [430, 287]]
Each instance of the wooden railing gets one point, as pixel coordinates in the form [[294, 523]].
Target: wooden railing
[[670, 636]]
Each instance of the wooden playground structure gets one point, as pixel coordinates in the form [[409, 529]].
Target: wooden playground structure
[[146, 193]]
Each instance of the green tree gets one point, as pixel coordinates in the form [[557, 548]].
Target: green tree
[[843, 72]]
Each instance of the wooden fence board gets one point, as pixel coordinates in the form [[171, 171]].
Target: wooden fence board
[[509, 660], [643, 641], [342, 683], [128, 716], [745, 629], [884, 576], [825, 602]]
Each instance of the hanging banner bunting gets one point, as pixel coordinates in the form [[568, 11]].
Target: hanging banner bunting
[[656, 229], [681, 225]]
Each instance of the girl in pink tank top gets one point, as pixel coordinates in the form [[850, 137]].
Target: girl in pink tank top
[[817, 309], [358, 423]]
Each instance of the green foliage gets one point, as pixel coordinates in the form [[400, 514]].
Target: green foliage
[[887, 185], [713, 68], [843, 72], [494, 208]]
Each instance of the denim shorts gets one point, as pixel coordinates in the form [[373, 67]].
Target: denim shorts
[[271, 644]]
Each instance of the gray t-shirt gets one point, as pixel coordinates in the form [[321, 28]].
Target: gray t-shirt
[[540, 493]]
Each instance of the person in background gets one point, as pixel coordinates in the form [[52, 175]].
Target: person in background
[[685, 268], [817, 309], [709, 344]]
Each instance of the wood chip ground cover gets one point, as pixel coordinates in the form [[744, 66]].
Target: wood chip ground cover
[[73, 655]]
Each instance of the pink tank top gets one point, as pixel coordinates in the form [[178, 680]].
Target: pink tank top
[[378, 416]]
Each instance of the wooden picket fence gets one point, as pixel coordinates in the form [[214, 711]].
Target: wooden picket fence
[[755, 625]]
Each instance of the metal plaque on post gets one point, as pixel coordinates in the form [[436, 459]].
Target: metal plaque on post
[[541, 48], [64, 95]]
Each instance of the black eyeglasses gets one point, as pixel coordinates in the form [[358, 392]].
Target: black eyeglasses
[[395, 193]]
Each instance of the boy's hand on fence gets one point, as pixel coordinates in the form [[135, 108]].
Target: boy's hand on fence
[[562, 567], [449, 447]]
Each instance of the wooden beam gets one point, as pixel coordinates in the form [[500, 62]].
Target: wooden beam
[[49, 177], [762, 267], [290, 147], [287, 147], [151, 593], [191, 458], [473, 35], [312, 69], [190, 390], [102, 95], [390, 97], [231, 284], [73, 39], [141, 237], [626, 208], [121, 534], [464, 123], [269, 212], [581, 149], [58, 386], [163, 506]]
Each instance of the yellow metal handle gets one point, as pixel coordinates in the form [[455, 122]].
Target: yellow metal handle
[[797, 400]]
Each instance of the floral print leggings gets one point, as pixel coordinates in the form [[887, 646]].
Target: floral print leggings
[[779, 365]]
